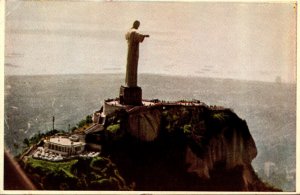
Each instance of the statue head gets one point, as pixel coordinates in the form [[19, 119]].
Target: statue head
[[136, 24]]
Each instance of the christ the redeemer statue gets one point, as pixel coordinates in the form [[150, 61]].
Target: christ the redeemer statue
[[131, 94], [134, 38]]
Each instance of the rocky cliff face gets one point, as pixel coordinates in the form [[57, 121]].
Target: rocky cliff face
[[183, 148], [230, 148], [144, 124], [162, 147]]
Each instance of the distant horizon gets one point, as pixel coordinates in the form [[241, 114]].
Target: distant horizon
[[234, 40], [268, 108], [155, 74]]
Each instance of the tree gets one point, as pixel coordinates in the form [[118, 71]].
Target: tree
[[81, 123], [26, 142], [88, 119], [73, 129]]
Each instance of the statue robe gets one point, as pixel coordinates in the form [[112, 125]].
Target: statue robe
[[133, 38]]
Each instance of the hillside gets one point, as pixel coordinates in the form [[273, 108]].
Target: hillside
[[97, 173], [182, 148], [163, 147], [29, 108]]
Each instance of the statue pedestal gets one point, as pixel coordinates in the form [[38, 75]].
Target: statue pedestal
[[131, 96]]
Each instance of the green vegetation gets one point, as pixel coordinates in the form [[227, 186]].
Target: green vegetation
[[182, 119], [113, 128], [219, 116], [52, 175], [114, 125], [37, 137], [187, 129], [96, 173], [180, 126], [88, 119], [83, 122], [48, 166], [26, 142], [114, 132], [73, 129], [171, 119], [189, 121]]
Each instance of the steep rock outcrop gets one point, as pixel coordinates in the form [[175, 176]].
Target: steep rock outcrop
[[163, 147], [144, 124], [232, 151], [185, 148]]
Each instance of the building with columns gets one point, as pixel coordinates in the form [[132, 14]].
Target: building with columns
[[66, 146]]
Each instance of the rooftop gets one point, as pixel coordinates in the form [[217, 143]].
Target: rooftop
[[64, 141], [155, 102]]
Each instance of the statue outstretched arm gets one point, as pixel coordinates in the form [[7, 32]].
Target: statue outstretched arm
[[140, 37]]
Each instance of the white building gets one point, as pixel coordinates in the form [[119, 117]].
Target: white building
[[65, 146]]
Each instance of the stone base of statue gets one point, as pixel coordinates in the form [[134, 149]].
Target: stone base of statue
[[131, 96]]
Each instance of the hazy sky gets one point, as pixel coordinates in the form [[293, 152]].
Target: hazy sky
[[252, 41]]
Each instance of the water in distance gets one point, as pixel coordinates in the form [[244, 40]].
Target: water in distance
[[268, 108]]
